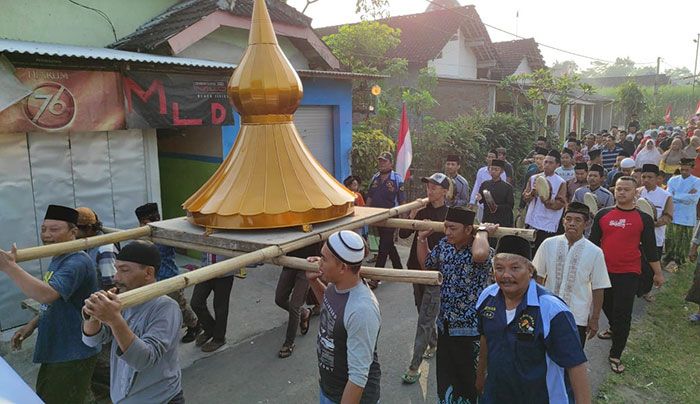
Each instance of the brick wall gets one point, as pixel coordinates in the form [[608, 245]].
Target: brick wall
[[459, 97]]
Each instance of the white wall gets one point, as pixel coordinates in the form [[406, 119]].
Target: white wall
[[228, 44], [457, 60], [523, 67]]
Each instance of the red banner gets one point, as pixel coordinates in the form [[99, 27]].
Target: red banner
[[66, 100]]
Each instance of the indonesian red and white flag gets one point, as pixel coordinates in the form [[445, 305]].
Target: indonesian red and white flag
[[667, 116], [404, 149]]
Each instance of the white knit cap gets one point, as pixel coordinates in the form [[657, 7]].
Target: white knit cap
[[347, 246], [627, 163]]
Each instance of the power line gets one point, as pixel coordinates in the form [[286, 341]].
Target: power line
[[454, 10]]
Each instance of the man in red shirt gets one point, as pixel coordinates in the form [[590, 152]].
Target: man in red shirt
[[619, 230]]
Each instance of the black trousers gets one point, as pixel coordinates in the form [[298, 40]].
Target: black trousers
[[582, 334], [456, 360], [540, 236], [618, 302], [387, 249], [290, 295], [214, 326]]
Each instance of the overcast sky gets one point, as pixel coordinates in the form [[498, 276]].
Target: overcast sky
[[603, 29]]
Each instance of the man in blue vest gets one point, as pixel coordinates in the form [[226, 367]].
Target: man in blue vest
[[386, 191]]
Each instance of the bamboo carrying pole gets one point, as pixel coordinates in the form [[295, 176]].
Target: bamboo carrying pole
[[50, 250], [528, 234], [143, 294], [148, 292], [389, 275]]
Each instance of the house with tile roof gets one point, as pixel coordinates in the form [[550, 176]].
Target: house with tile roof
[[455, 42]]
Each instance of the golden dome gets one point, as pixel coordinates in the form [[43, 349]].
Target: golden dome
[[269, 178]]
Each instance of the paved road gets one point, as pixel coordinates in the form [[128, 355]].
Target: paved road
[[247, 370], [250, 372]]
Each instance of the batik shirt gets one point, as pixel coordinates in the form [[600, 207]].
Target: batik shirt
[[462, 282]]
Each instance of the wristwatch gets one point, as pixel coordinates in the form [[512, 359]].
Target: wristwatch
[[481, 228]]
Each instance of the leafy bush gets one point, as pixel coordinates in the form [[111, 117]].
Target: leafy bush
[[367, 144], [471, 137]]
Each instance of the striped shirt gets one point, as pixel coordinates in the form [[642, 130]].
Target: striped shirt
[[609, 156]]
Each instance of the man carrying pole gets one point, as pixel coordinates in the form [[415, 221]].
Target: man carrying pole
[[350, 320], [66, 363], [427, 297], [167, 269], [464, 258], [144, 359]]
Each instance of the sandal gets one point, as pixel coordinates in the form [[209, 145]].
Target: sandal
[[429, 353], [411, 376], [616, 365], [304, 321], [286, 351], [607, 334]]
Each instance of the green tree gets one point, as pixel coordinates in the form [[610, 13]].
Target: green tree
[[631, 99], [363, 48], [541, 88], [420, 100], [366, 146]]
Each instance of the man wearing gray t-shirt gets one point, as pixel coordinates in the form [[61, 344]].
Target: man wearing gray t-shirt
[[349, 326], [144, 365]]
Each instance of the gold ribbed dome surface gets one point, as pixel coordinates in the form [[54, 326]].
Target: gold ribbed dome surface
[[269, 178]]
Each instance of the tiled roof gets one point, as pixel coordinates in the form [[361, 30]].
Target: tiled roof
[[159, 29], [424, 35], [511, 53]]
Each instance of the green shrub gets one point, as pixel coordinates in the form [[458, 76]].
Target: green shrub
[[471, 137], [367, 144]]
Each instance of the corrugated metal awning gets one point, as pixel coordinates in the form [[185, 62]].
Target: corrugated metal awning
[[84, 52], [91, 53]]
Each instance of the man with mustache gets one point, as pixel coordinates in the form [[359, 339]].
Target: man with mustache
[[66, 363], [144, 361], [529, 342]]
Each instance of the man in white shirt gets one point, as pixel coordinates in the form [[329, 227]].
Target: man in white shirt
[[544, 215], [574, 269]]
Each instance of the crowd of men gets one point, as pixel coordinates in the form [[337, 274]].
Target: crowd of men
[[507, 324]]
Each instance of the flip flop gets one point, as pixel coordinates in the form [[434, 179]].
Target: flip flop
[[607, 334], [304, 321], [616, 365], [410, 377]]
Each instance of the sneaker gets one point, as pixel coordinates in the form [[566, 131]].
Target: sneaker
[[202, 339], [191, 334], [694, 318], [212, 345]]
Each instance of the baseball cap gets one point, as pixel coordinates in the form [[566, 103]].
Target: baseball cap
[[438, 179], [386, 156]]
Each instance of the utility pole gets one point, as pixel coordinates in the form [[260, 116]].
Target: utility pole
[[695, 68], [656, 78]]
